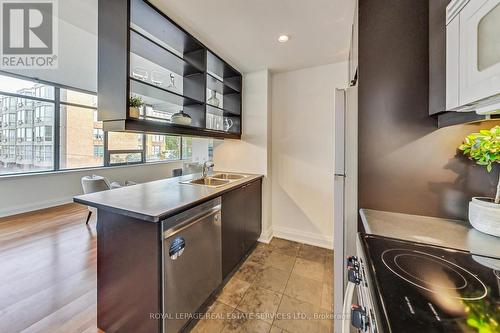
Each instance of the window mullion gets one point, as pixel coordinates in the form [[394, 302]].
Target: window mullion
[[144, 148], [57, 122], [181, 153], [106, 150]]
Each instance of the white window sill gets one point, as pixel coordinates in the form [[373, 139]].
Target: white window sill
[[90, 169]]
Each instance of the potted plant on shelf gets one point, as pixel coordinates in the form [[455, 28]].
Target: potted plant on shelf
[[484, 149], [134, 103]]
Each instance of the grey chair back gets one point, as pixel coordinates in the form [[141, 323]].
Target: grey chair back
[[176, 172], [91, 184]]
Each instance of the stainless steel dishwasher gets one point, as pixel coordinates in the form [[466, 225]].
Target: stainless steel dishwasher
[[192, 261]]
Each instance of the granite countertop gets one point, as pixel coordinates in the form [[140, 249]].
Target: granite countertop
[[156, 200], [454, 234]]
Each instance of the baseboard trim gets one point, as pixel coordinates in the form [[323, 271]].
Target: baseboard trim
[[35, 206], [266, 236], [303, 237]]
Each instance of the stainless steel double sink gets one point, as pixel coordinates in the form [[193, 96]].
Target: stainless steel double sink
[[216, 180]]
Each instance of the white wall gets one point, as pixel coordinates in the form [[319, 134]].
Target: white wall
[[252, 153], [303, 152], [20, 194]]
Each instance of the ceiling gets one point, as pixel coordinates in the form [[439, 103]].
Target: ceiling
[[245, 32]]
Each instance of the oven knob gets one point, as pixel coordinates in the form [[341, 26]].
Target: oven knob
[[353, 275], [358, 318], [352, 261]]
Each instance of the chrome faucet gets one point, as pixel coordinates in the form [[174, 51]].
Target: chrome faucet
[[206, 166]]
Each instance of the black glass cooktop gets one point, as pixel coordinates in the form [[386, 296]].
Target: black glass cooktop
[[425, 288]]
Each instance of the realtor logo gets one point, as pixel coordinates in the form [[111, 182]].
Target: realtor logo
[[29, 34]]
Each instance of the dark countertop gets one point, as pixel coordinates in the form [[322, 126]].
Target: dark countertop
[[157, 200], [454, 234]]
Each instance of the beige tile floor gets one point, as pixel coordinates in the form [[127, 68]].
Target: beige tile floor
[[282, 287]]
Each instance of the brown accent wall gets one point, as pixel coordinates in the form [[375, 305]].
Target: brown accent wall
[[407, 164]]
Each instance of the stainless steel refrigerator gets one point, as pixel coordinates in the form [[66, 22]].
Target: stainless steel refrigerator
[[345, 194]]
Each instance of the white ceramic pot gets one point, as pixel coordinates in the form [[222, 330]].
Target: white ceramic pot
[[484, 215], [134, 112], [181, 118]]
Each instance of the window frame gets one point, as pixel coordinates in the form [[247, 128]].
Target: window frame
[[56, 122]]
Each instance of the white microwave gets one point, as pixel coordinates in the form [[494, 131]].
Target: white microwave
[[473, 56]]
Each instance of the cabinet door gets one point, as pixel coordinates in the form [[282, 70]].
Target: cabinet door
[[479, 50], [233, 229], [253, 212]]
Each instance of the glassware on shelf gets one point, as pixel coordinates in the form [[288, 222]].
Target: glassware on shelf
[[140, 73], [213, 100], [210, 121], [181, 118], [215, 121], [172, 82], [157, 78], [228, 123]]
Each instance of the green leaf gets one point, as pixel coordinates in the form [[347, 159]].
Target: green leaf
[[483, 147]]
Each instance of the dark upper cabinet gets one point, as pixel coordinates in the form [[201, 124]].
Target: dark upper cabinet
[[142, 53], [241, 223]]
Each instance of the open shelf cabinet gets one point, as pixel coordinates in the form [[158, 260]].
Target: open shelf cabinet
[[143, 53]]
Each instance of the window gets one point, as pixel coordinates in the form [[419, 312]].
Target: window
[[25, 88], [33, 139], [98, 151], [125, 148], [25, 117], [44, 112], [43, 133], [125, 158], [162, 148], [21, 134], [124, 141], [12, 120], [81, 141], [98, 133], [187, 148], [79, 135], [78, 98], [29, 135]]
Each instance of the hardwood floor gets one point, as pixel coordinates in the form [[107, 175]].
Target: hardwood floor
[[48, 280], [48, 271]]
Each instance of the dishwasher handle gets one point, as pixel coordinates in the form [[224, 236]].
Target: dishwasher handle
[[193, 220]]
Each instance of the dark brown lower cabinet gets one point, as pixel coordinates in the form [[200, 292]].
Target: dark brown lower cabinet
[[241, 223]]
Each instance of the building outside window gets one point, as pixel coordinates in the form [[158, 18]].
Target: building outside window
[[125, 148], [162, 148], [98, 151], [79, 132], [28, 130], [187, 148]]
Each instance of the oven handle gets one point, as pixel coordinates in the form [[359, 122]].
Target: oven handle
[[346, 309]]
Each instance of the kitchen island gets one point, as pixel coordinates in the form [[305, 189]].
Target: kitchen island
[[164, 247]]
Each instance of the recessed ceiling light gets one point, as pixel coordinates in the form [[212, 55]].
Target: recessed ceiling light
[[283, 38]]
